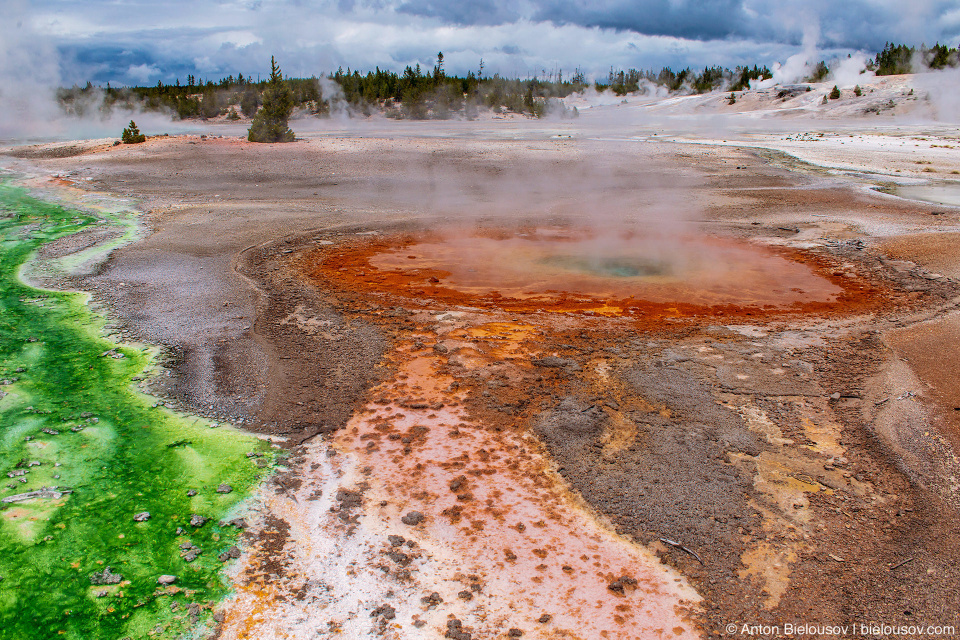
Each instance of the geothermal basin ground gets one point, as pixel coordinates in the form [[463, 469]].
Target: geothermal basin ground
[[549, 382]]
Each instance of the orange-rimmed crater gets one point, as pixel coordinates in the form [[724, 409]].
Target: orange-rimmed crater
[[564, 269]]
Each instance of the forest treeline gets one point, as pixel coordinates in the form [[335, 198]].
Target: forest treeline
[[432, 93], [899, 58]]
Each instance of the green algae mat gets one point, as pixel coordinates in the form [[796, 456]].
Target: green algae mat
[[102, 491]]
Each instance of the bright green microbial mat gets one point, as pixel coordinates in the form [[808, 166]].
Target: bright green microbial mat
[[68, 403]]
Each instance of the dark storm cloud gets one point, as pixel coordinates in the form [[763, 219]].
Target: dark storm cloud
[[852, 24], [138, 41], [479, 12], [704, 20]]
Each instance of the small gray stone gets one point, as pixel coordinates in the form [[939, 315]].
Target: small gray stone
[[105, 577], [224, 488], [413, 518], [197, 520], [165, 579], [143, 516], [239, 523], [229, 554], [385, 610]]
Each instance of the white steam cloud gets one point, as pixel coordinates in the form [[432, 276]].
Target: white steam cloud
[[850, 72], [942, 89], [30, 75], [799, 65], [332, 94]]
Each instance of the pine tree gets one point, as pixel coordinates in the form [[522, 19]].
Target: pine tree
[[132, 135], [270, 122]]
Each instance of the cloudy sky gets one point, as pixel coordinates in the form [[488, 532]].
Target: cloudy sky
[[141, 42]]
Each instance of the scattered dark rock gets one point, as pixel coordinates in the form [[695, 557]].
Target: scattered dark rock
[[197, 520], [191, 493], [432, 600], [515, 633], [230, 554], [143, 516], [396, 541], [400, 558], [349, 499], [457, 483], [224, 488], [621, 584], [545, 618], [456, 632], [105, 577], [189, 551], [385, 610], [413, 518], [239, 523], [465, 595]]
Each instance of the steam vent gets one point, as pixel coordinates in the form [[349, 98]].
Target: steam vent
[[618, 376]]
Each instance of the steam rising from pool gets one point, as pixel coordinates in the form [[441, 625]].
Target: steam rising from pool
[[547, 263]]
